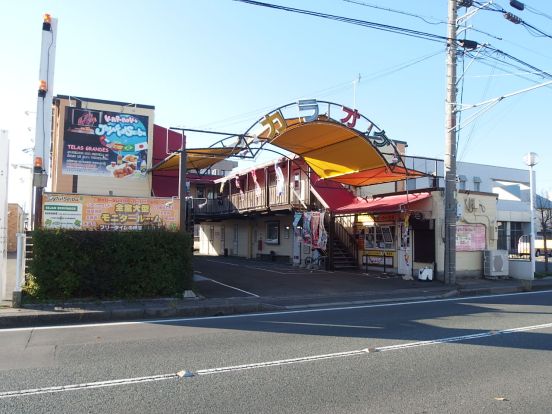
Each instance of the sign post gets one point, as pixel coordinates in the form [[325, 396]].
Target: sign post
[[43, 137]]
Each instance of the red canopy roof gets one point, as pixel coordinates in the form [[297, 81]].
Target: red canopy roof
[[390, 204], [340, 200]]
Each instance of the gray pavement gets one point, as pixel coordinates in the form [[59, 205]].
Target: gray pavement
[[485, 354], [232, 285]]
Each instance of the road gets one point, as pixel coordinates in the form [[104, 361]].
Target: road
[[458, 355]]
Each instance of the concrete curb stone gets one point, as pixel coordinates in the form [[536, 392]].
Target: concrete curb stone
[[117, 311]]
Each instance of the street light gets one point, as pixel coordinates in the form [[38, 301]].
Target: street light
[[531, 159]]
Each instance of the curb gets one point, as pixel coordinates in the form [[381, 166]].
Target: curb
[[375, 301], [25, 317], [68, 317]]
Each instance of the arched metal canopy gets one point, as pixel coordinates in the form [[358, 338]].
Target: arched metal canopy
[[349, 149]]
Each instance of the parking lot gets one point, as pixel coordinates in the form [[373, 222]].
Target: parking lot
[[227, 277]]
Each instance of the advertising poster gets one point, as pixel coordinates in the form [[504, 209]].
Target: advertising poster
[[83, 212], [105, 144], [470, 237]]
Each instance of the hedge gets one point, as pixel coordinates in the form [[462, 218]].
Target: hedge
[[108, 265]]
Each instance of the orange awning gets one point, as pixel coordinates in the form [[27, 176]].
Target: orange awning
[[331, 149], [339, 153], [197, 158]]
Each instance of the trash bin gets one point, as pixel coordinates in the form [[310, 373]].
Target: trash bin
[[225, 251]]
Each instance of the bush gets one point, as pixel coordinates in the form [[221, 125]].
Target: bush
[[85, 264]]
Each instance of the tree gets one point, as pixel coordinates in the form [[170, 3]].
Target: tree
[[543, 207]]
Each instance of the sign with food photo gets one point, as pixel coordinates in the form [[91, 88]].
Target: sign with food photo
[[89, 212], [103, 143]]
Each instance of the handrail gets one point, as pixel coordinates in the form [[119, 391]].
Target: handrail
[[347, 239]]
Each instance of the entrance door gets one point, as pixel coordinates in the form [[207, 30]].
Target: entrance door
[[405, 250], [235, 250], [210, 246]]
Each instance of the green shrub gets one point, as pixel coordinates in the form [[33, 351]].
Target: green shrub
[[97, 264]]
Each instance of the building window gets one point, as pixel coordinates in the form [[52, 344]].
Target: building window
[[286, 232], [272, 232], [502, 242], [476, 184], [200, 191], [516, 231], [461, 182], [379, 237]]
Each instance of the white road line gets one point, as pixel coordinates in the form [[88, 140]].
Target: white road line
[[267, 364], [218, 261], [265, 314], [199, 278], [235, 288], [370, 350], [247, 266], [85, 386]]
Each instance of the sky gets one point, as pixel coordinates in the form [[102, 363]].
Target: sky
[[221, 65]]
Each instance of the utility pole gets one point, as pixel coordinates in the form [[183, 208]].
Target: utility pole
[[450, 150]]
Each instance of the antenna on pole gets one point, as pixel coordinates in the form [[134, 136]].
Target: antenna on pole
[[355, 82]]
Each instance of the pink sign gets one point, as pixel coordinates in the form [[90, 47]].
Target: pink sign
[[470, 237]]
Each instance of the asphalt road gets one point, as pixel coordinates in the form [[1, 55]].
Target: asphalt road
[[461, 355], [235, 277]]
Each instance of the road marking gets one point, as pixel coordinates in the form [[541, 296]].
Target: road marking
[[199, 278], [264, 314], [266, 364], [86, 386], [266, 268], [232, 287], [370, 350]]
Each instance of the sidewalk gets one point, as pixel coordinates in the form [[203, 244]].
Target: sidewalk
[[89, 312]]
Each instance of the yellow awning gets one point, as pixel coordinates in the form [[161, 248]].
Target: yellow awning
[[333, 151], [197, 158], [339, 153]]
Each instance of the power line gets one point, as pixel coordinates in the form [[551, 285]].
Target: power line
[[521, 62], [535, 11], [331, 90], [534, 31], [423, 18], [364, 23]]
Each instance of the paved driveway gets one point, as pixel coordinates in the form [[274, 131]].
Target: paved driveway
[[225, 277]]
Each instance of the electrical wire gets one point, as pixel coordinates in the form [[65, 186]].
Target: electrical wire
[[472, 129], [535, 11], [329, 91], [423, 18], [534, 31], [364, 23], [543, 73]]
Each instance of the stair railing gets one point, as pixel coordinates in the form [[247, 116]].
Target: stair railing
[[343, 235]]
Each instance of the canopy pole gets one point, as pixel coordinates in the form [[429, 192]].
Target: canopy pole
[[182, 186]]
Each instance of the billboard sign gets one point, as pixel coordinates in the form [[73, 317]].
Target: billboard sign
[[105, 144], [470, 237], [86, 212]]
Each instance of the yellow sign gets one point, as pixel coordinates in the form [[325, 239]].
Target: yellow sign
[[84, 212]]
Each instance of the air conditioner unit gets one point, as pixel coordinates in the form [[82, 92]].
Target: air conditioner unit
[[495, 263]]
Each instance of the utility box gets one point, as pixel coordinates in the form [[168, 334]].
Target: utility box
[[495, 263]]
